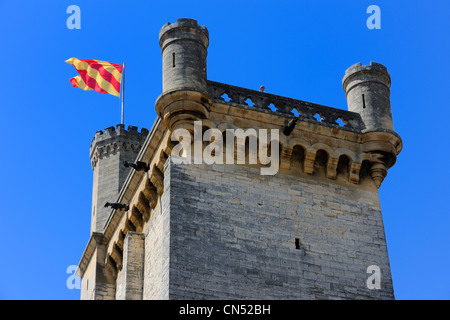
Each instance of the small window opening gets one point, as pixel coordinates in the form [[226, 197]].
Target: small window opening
[[364, 101], [173, 58], [297, 243]]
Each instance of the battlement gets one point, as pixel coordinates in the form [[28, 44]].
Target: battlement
[[375, 69], [115, 138], [119, 130], [374, 66], [306, 111], [184, 24]]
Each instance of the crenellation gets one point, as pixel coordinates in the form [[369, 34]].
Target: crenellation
[[112, 132]]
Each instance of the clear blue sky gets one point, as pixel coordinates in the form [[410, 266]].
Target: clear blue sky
[[298, 49]]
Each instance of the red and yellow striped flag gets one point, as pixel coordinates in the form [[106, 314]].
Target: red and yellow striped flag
[[101, 76]]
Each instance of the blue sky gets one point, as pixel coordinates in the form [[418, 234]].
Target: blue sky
[[298, 49]]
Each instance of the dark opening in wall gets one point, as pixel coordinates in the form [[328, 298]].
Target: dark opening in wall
[[297, 243], [343, 167], [298, 158], [320, 163]]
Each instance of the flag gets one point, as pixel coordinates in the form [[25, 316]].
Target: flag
[[101, 76]]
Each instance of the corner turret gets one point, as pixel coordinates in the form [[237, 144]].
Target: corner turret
[[367, 91], [184, 47]]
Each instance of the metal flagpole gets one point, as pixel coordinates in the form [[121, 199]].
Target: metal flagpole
[[122, 90]]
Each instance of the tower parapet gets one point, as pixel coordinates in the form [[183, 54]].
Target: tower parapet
[[114, 139], [109, 149]]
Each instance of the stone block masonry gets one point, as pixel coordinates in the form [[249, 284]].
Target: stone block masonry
[[130, 280], [157, 250], [236, 234]]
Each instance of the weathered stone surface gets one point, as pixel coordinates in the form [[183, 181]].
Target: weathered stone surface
[[130, 280], [233, 235]]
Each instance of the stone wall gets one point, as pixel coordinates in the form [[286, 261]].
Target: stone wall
[[236, 234], [130, 278], [157, 239]]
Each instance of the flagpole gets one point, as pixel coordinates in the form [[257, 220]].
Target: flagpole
[[122, 91]]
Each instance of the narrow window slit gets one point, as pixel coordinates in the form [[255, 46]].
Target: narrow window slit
[[364, 101], [173, 56], [297, 243]]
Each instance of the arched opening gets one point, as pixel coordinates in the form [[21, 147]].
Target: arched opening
[[297, 158], [343, 167], [320, 162], [365, 170]]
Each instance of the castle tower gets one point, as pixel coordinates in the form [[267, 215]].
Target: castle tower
[[368, 93], [184, 47], [108, 151], [313, 229]]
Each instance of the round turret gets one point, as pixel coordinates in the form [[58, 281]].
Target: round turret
[[184, 47], [185, 95], [367, 91]]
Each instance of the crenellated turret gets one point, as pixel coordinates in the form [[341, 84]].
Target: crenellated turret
[[109, 149], [368, 93], [184, 98], [184, 47]]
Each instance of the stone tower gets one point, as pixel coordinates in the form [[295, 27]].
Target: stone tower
[[184, 47], [221, 229], [368, 93], [109, 150]]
